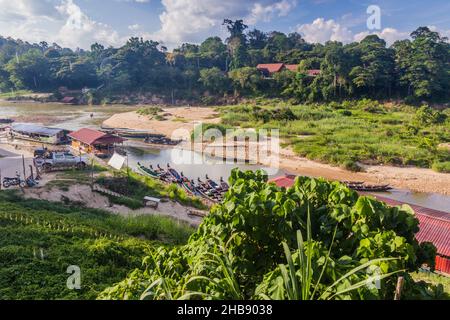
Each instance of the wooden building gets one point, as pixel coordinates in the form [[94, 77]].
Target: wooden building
[[96, 142], [37, 133]]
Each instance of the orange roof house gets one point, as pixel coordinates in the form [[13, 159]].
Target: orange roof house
[[268, 69], [292, 67]]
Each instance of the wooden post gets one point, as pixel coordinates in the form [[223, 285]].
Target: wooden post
[[92, 173], [0, 179], [23, 164], [399, 288]]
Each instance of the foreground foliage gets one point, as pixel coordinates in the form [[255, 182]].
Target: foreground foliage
[[39, 240], [316, 240]]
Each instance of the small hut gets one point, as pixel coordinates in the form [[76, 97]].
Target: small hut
[[96, 142]]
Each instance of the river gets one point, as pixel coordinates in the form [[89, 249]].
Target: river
[[76, 117]]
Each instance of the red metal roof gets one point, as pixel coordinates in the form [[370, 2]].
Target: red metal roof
[[434, 225], [90, 137], [270, 67], [292, 67], [313, 72], [285, 181]]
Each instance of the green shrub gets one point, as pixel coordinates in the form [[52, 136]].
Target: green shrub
[[246, 245], [443, 167]]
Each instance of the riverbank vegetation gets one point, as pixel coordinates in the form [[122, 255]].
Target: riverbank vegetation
[[39, 240], [353, 132], [135, 187], [316, 240], [414, 69]]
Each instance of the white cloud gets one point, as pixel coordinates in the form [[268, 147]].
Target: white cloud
[[53, 21], [80, 30], [193, 21], [321, 31], [266, 13], [134, 27], [442, 32], [390, 35]]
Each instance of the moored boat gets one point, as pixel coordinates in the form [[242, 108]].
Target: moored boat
[[148, 171], [212, 184], [371, 188], [224, 185], [174, 173]]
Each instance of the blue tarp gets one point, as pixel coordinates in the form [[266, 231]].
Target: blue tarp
[[35, 129]]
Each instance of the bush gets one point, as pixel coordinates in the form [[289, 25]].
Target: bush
[[244, 244], [351, 166], [443, 167]]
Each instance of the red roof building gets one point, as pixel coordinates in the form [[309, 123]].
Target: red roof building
[[270, 68], [93, 141], [292, 67], [314, 72], [434, 225], [284, 181]]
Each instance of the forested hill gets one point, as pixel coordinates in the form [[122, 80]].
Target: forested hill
[[415, 69]]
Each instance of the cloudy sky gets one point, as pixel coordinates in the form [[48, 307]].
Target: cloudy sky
[[79, 23]]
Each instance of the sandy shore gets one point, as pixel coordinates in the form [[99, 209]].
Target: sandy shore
[[182, 120], [179, 123]]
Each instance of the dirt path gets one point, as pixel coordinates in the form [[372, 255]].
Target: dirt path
[[83, 194]]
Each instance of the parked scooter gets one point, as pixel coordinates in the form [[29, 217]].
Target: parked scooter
[[17, 181]]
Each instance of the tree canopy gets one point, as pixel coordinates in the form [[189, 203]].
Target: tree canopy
[[416, 69]]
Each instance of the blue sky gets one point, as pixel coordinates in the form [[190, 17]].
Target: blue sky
[[79, 23]]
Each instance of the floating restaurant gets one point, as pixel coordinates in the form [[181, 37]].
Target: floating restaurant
[[96, 142], [38, 133]]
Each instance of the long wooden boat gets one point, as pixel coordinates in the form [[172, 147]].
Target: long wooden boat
[[165, 175], [369, 188], [148, 171], [174, 173], [205, 191], [188, 185], [128, 133], [161, 140], [212, 184], [224, 185]]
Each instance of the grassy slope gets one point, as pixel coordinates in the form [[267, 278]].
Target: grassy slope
[[329, 134], [72, 236]]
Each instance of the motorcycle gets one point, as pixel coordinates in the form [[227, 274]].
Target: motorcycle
[[17, 181]]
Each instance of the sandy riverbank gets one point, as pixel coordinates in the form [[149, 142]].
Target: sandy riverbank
[[182, 120], [179, 123]]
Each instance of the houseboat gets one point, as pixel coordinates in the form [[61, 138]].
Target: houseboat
[[41, 134]]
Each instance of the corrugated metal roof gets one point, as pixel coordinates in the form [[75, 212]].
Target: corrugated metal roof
[[90, 136], [35, 129], [434, 225], [285, 181]]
